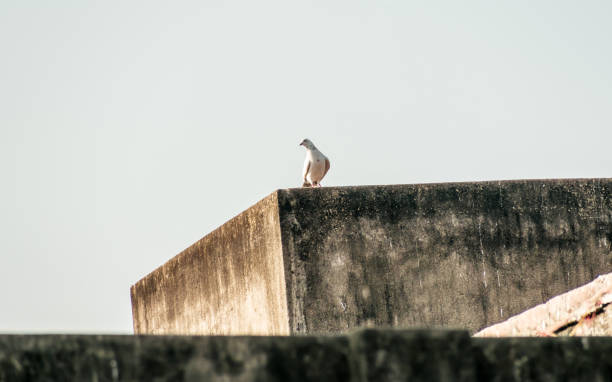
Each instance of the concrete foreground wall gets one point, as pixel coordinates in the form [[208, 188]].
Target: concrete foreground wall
[[455, 255], [367, 355]]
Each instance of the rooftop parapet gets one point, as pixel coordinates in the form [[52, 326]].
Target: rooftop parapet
[[330, 259]]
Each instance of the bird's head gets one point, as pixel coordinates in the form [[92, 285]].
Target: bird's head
[[308, 144]]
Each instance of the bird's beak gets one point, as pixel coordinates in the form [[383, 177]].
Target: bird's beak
[[301, 144]]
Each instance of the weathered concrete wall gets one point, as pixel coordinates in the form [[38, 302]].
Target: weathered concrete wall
[[83, 358], [367, 355], [327, 260], [454, 255], [230, 282]]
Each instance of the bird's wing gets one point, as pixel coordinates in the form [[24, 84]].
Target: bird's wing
[[326, 167], [306, 169]]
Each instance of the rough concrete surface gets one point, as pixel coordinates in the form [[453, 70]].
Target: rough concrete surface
[[544, 359], [582, 311], [453, 255], [365, 355], [230, 282], [164, 358], [423, 355], [464, 255]]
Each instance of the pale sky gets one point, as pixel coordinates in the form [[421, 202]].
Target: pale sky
[[130, 129]]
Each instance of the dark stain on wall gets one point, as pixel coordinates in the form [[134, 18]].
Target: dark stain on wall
[[454, 255]]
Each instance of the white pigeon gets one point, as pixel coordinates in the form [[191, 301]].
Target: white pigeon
[[315, 166]]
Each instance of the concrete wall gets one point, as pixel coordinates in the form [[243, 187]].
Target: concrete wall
[[230, 282], [326, 260], [462, 255], [367, 355]]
